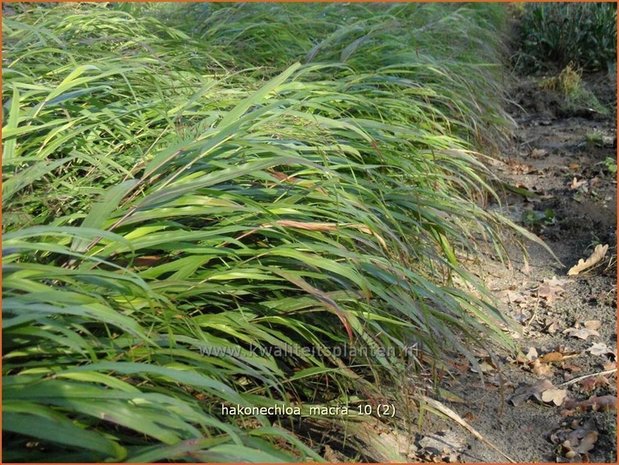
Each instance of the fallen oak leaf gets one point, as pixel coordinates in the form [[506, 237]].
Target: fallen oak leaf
[[569, 436], [549, 289], [486, 367], [587, 385], [571, 367], [594, 403], [599, 348], [557, 396], [541, 369], [598, 254], [602, 381], [575, 184], [575, 441], [592, 324], [610, 366], [526, 391], [521, 359], [581, 333], [551, 326], [588, 442]]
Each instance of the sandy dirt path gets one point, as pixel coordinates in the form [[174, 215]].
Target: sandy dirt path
[[562, 189]]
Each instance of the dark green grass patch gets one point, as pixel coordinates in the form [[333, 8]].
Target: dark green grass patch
[[559, 34]]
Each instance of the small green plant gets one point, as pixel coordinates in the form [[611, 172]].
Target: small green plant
[[594, 138], [539, 218], [568, 83], [611, 165]]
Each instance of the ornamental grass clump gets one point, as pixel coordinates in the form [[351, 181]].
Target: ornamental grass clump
[[453, 55], [172, 216]]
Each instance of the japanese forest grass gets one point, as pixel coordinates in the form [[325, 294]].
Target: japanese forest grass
[[167, 212]]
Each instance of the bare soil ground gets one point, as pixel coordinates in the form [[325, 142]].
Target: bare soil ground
[[560, 186]]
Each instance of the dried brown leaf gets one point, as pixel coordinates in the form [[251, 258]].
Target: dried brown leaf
[[532, 354], [316, 226], [539, 153], [609, 365], [542, 369], [552, 327], [581, 333], [549, 289], [556, 396], [551, 357], [593, 324], [599, 348], [575, 184], [525, 392], [486, 367], [594, 403], [598, 254], [587, 385], [588, 442]]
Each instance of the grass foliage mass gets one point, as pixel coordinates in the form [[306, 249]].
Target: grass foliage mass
[[183, 187]]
